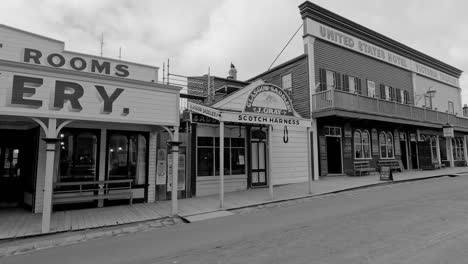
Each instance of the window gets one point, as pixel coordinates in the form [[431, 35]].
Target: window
[[127, 156], [451, 110], [352, 84], [286, 81], [386, 145], [405, 96], [78, 155], [330, 80], [388, 95], [428, 101], [333, 131], [208, 156], [433, 143], [370, 88], [362, 144], [458, 149]]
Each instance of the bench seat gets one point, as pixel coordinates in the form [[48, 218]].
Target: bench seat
[[362, 167]]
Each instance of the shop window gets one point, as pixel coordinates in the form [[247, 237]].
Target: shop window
[[208, 156], [362, 144], [78, 155], [370, 88], [458, 149], [286, 82], [127, 156], [386, 145]]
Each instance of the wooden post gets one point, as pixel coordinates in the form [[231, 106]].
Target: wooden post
[[270, 153], [175, 171], [51, 141], [221, 164]]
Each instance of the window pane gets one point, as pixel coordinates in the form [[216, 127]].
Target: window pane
[[352, 84], [237, 142], [371, 88], [330, 80], [286, 81], [78, 156], [205, 161], [119, 157], [383, 146], [389, 145], [205, 141], [238, 161]]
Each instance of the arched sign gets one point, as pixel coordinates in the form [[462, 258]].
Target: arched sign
[[269, 99]]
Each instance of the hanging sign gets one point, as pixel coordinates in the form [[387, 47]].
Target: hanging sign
[[269, 99], [265, 119], [161, 167], [204, 110], [448, 131]]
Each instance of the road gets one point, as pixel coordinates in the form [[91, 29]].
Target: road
[[416, 222]]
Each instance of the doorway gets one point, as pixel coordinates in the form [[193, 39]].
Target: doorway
[[414, 154], [404, 150], [17, 166], [334, 155], [258, 159]]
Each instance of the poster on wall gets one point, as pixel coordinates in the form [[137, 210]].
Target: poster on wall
[[161, 167], [180, 170]]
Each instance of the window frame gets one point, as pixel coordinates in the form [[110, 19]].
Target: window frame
[[451, 108], [369, 94], [362, 145], [327, 85], [388, 137], [228, 150]]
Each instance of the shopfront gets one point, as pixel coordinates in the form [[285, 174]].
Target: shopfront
[[69, 119], [265, 142]]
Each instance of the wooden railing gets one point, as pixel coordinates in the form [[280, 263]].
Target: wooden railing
[[336, 99]]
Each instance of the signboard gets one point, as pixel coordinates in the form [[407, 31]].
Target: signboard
[[43, 95], [386, 174], [180, 171], [269, 99], [448, 131], [350, 42], [265, 120], [161, 167], [204, 110]]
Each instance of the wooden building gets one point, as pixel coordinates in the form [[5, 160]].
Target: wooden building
[[77, 128]]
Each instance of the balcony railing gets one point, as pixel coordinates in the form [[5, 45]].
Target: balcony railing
[[336, 99]]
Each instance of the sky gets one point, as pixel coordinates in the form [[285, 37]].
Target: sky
[[197, 35]]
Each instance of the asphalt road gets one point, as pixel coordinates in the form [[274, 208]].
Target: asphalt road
[[417, 222]]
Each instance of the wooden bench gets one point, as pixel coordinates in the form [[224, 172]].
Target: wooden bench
[[362, 167], [86, 191], [393, 164]]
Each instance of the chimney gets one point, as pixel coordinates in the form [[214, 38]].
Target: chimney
[[232, 72], [465, 110]]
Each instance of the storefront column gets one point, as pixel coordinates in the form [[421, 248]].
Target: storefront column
[[221, 164], [309, 159], [102, 163], [175, 172], [270, 153], [315, 149], [450, 152], [438, 150], [51, 140]]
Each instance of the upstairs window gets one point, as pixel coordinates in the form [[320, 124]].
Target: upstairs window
[[286, 84], [370, 88], [451, 109], [352, 84], [428, 101], [329, 80]]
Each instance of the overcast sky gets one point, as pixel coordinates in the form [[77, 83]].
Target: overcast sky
[[197, 34]]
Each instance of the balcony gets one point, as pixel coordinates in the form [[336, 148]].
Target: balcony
[[340, 103]]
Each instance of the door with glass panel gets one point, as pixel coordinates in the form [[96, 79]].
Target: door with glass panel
[[258, 158]]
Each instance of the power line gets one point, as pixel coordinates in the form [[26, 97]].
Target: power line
[[285, 47]]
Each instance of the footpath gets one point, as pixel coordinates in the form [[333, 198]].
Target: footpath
[[208, 207]]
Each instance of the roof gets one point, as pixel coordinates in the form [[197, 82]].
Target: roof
[[326, 17], [291, 61]]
